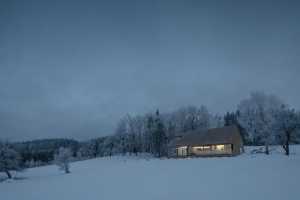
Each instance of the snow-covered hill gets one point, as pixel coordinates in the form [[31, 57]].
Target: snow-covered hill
[[244, 177]]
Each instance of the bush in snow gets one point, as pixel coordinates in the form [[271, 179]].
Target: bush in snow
[[63, 158], [10, 160]]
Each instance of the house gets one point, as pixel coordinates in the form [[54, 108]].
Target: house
[[226, 141]]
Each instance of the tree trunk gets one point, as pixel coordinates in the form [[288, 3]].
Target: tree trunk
[[267, 149], [243, 149], [287, 151], [67, 170], [287, 144], [8, 174]]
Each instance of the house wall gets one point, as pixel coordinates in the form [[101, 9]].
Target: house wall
[[182, 151], [237, 145], [234, 148], [237, 148]]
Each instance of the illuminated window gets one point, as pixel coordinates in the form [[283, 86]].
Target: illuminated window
[[220, 147], [202, 148], [199, 148], [182, 151], [182, 148]]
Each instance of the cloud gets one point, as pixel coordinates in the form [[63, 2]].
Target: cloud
[[72, 70]]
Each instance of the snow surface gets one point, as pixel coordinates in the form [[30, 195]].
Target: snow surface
[[243, 177]]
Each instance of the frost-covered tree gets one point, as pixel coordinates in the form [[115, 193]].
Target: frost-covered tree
[[288, 122], [109, 146], [41, 151], [159, 137], [63, 158], [148, 134], [257, 116], [130, 134], [230, 119], [84, 152], [121, 134], [216, 121], [191, 118], [30, 163], [10, 160], [135, 134]]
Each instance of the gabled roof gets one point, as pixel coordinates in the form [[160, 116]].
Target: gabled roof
[[224, 135]]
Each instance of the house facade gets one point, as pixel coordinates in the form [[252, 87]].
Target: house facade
[[226, 141]]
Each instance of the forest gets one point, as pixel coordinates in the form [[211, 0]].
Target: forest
[[263, 120]]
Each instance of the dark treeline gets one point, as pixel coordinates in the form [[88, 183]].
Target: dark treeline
[[262, 119], [41, 152], [150, 133]]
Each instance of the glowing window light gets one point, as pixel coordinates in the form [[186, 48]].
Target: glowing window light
[[183, 147], [182, 151], [220, 147], [202, 148]]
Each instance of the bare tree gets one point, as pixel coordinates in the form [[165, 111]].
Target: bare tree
[[287, 122], [257, 116], [63, 158], [10, 160], [191, 118]]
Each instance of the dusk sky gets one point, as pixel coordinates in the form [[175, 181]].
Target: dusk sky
[[73, 68]]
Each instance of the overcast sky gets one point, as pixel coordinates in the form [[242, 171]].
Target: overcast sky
[[73, 68]]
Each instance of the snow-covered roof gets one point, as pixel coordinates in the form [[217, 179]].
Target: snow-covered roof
[[224, 135]]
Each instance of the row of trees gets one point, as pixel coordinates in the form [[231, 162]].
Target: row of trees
[[268, 120], [263, 120], [11, 160], [151, 133], [41, 152]]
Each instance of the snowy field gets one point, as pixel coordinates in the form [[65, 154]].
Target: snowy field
[[243, 177]]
